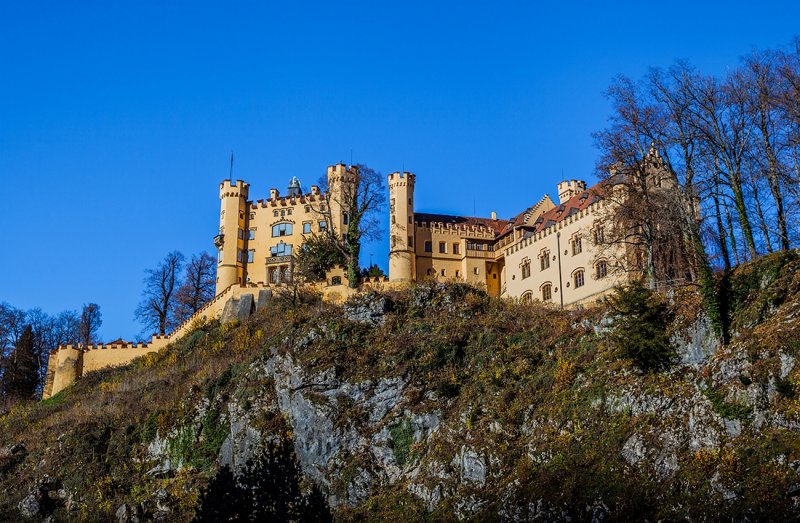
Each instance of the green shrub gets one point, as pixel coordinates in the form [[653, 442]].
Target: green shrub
[[639, 328], [402, 434]]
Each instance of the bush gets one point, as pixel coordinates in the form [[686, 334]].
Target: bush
[[639, 328]]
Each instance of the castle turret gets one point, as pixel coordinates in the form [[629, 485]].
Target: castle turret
[[569, 188], [402, 263], [341, 181], [232, 238]]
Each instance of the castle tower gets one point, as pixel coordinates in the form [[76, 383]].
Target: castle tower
[[341, 182], [232, 239], [569, 188], [402, 263]]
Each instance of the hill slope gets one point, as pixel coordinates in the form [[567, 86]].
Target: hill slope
[[435, 403]]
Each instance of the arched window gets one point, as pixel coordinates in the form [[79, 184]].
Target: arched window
[[281, 229], [526, 268], [601, 269], [578, 278], [577, 248], [599, 235], [544, 259], [547, 292], [527, 297]]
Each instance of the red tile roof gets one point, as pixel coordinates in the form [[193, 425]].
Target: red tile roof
[[577, 203]]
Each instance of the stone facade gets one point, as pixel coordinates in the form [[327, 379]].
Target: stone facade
[[553, 253]]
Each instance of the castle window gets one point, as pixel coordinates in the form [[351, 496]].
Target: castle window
[[578, 278], [393, 220], [252, 216], [576, 245], [307, 208], [527, 297], [336, 280], [346, 218], [410, 241], [526, 268], [282, 249], [240, 234], [283, 213], [428, 246], [251, 234], [442, 248], [307, 228], [601, 269], [430, 272], [547, 292], [323, 225], [219, 255], [239, 255], [544, 260], [275, 213], [289, 211], [456, 248], [476, 271], [281, 229], [599, 235], [444, 273], [251, 254], [458, 274]]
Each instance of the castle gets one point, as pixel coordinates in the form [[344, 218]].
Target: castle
[[552, 253]]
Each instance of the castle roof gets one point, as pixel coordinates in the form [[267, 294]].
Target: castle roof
[[494, 225], [574, 205]]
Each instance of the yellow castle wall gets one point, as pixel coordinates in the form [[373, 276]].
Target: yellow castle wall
[[556, 240]]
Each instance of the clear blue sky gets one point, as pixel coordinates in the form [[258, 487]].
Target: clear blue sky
[[117, 119]]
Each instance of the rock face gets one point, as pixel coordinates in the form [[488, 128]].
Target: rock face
[[436, 404]]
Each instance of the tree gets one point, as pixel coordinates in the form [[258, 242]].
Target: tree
[[638, 330], [157, 308], [318, 254], [372, 272], [642, 214], [89, 324], [21, 369], [360, 198], [198, 287]]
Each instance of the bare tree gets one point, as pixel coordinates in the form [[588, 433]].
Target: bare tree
[[90, 322], [643, 216], [760, 78], [360, 197], [198, 286], [157, 308]]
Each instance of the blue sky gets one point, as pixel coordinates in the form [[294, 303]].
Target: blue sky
[[117, 119]]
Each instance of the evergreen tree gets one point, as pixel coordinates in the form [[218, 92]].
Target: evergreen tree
[[21, 369], [639, 329]]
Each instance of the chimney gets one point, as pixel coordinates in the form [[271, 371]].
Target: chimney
[[273, 194], [494, 216]]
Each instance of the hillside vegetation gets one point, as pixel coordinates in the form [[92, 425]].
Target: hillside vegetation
[[431, 404]]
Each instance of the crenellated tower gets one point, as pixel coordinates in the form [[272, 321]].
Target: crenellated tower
[[342, 181], [402, 262], [231, 242]]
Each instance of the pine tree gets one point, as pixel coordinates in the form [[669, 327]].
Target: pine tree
[[21, 369]]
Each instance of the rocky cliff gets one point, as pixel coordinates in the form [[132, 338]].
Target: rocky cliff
[[435, 403]]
